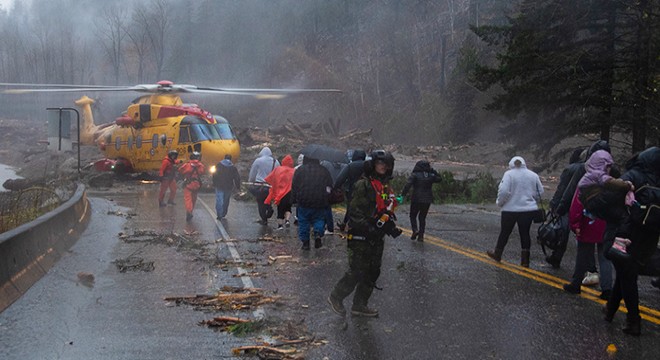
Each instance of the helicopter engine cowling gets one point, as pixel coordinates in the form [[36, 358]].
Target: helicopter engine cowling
[[125, 121]]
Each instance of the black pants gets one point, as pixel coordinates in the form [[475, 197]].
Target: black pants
[[625, 287], [261, 193], [508, 220], [364, 261], [418, 210]]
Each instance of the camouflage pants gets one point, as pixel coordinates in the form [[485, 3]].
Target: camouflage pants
[[364, 261]]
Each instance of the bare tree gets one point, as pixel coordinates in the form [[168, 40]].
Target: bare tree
[[111, 32], [156, 19]]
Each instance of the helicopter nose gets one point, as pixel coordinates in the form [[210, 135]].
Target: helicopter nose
[[213, 152]]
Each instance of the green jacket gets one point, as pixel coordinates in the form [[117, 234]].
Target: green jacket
[[362, 212]]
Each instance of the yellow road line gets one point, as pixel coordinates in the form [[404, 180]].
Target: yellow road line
[[646, 313]]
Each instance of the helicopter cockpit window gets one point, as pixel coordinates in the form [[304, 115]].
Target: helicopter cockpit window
[[184, 135], [118, 143], [154, 141], [224, 131], [138, 141], [199, 133]]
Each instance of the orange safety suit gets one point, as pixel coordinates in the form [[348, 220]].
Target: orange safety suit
[[192, 182], [167, 181]]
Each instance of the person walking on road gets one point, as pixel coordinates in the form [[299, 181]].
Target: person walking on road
[[334, 168], [589, 234], [643, 169], [421, 181], [372, 197], [310, 188], [562, 200], [225, 180], [192, 181], [347, 178], [167, 175], [517, 195], [263, 165], [280, 180]]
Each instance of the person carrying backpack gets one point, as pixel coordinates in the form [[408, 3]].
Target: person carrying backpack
[[643, 171]]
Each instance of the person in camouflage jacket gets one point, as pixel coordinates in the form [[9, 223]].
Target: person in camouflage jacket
[[371, 196]]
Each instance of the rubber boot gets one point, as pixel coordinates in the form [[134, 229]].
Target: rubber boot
[[496, 254], [524, 258], [633, 325]]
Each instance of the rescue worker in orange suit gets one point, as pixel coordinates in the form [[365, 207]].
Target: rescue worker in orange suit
[[192, 182], [167, 177]]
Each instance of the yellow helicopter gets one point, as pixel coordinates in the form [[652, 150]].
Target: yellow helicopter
[[157, 123]]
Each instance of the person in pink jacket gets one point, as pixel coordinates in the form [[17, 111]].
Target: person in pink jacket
[[589, 234], [280, 180]]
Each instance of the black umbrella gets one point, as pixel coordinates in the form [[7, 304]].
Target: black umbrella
[[323, 152]]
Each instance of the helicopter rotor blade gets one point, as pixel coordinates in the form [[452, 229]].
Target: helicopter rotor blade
[[164, 88]]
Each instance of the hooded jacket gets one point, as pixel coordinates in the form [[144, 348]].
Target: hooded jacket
[[421, 180], [642, 169], [565, 178], [352, 172], [280, 181], [519, 189], [263, 165], [226, 176], [311, 185], [578, 171]]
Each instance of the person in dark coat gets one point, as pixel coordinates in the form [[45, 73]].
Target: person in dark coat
[[421, 181], [347, 178], [642, 169], [310, 188], [334, 168], [225, 180], [563, 197]]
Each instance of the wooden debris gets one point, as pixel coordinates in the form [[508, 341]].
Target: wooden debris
[[261, 348], [228, 298], [223, 322], [279, 257]]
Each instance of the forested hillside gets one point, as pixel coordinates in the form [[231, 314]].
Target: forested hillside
[[414, 70]]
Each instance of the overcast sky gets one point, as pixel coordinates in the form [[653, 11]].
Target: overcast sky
[[6, 4]]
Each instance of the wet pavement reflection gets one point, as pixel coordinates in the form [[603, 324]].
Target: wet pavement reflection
[[440, 299]]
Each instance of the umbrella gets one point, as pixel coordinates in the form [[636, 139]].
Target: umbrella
[[324, 152]]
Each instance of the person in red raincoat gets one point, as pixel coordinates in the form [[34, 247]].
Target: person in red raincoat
[[192, 182], [167, 181], [280, 191]]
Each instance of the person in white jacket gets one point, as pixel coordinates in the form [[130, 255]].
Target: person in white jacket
[[517, 195]]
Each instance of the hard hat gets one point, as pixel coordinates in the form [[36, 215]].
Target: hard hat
[[173, 154], [195, 155]]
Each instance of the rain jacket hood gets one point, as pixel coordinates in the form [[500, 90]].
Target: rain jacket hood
[[512, 162], [280, 180], [263, 165], [597, 169], [648, 161], [422, 166], [226, 162]]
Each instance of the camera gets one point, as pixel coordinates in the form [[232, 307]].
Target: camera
[[389, 228]]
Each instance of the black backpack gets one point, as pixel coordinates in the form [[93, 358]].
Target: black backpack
[[646, 210]]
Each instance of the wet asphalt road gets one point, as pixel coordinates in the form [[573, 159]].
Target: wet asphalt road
[[441, 299]]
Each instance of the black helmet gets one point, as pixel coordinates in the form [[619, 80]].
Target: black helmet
[[381, 155], [172, 154], [195, 155]]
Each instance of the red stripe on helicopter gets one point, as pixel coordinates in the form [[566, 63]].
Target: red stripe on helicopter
[[171, 111]]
